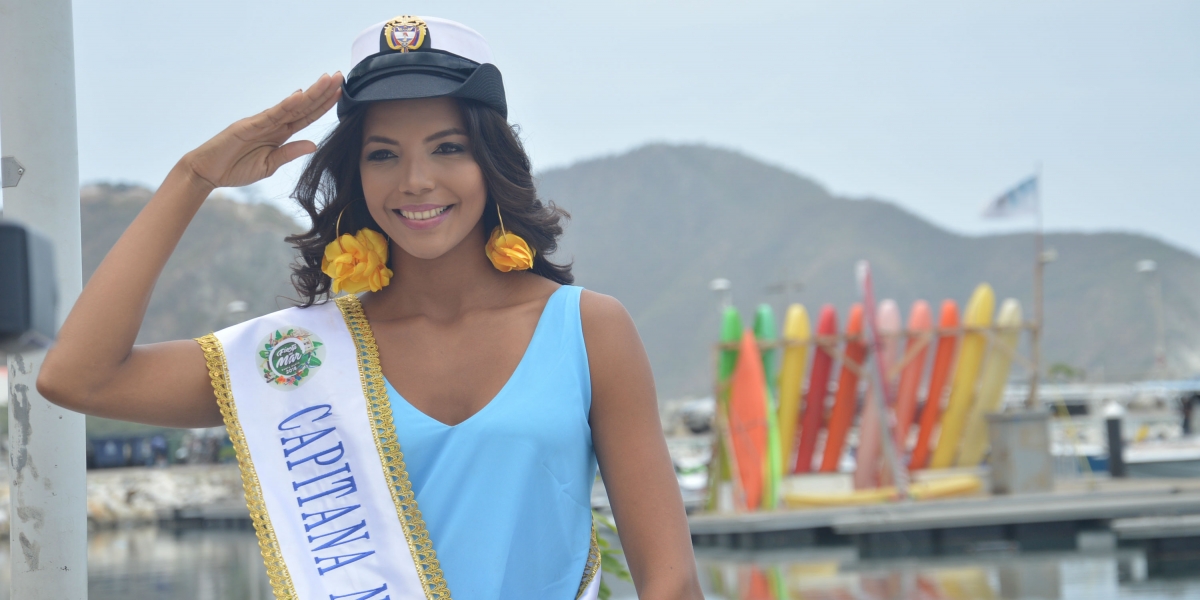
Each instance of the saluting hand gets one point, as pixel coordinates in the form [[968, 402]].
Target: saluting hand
[[254, 148]]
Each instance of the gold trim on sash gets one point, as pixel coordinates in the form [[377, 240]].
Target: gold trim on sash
[[218, 372], [592, 567], [379, 412]]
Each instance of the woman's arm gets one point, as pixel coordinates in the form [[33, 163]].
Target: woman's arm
[[632, 453], [94, 367]]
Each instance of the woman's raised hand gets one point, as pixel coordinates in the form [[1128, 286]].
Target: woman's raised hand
[[94, 367], [254, 148]]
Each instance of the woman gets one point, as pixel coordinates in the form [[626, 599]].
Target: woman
[[438, 435]]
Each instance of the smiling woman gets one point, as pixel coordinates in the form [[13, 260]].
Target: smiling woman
[[331, 183], [437, 435]]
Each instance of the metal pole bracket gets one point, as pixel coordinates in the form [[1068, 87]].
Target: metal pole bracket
[[10, 171]]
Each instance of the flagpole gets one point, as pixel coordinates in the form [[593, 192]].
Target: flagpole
[[1039, 267]]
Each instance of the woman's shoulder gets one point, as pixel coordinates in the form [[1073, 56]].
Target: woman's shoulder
[[601, 316], [600, 309], [607, 326]]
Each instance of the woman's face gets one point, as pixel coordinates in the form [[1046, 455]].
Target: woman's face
[[421, 182]]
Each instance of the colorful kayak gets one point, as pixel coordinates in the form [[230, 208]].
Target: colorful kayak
[[748, 423], [991, 384], [731, 333], [764, 332], [868, 459], [846, 401], [978, 314], [920, 321], [943, 359], [888, 321], [818, 389], [797, 335], [948, 487]]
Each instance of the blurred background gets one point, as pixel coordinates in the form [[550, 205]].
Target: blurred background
[[767, 144]]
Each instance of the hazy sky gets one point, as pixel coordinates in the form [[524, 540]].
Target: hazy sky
[[937, 106]]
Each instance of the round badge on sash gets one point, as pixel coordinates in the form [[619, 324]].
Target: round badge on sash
[[289, 357]]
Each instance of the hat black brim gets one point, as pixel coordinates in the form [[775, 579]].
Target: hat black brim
[[484, 85]]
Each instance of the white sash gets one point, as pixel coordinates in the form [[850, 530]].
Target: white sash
[[324, 477]]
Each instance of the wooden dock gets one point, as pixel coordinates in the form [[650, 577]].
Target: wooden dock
[[1136, 512]]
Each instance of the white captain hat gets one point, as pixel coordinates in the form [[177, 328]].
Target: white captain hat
[[421, 57]]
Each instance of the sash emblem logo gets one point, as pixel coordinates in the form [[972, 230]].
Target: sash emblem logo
[[289, 357], [405, 33]]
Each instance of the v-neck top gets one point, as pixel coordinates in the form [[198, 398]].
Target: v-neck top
[[506, 494]]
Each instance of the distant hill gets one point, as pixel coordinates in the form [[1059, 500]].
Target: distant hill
[[232, 251], [653, 226]]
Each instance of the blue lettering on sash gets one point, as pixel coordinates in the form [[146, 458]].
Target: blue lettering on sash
[[338, 561], [328, 411], [337, 512], [318, 482], [319, 457], [363, 595], [305, 439], [296, 485], [341, 534], [345, 485]]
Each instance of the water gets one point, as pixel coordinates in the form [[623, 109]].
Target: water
[[149, 563], [145, 564], [838, 574]]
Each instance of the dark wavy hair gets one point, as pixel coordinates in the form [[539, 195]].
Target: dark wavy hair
[[331, 182]]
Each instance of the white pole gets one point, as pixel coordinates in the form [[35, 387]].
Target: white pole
[[1160, 338], [48, 510], [1039, 269]]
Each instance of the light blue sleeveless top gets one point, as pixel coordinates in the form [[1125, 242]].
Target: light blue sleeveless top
[[506, 494]]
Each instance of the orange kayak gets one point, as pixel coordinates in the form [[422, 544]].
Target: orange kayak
[[846, 401], [920, 321], [943, 359], [748, 420]]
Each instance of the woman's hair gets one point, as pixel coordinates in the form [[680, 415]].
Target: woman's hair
[[330, 183]]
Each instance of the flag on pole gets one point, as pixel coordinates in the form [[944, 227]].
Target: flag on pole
[[1022, 199]]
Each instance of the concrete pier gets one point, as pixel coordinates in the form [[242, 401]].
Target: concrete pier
[[123, 497], [1056, 520]]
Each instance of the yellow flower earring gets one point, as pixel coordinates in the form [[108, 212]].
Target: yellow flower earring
[[508, 251], [356, 263]]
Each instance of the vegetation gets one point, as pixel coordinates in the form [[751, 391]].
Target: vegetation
[[611, 564]]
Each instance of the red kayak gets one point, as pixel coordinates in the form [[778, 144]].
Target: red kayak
[[846, 401], [920, 321], [943, 359], [818, 389]]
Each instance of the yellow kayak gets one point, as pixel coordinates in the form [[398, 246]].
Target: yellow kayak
[[991, 384], [796, 332], [978, 314], [947, 487]]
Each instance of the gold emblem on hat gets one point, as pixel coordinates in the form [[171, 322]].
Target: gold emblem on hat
[[405, 33]]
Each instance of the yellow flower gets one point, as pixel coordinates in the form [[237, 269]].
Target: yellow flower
[[358, 262], [508, 251]]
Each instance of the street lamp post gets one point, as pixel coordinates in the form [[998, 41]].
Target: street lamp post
[[724, 288]]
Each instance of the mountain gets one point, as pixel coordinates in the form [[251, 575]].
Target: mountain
[[653, 226], [232, 251]]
